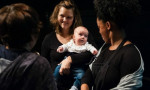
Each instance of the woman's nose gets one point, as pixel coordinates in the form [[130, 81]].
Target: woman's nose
[[64, 19]]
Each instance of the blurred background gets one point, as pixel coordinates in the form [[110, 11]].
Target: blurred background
[[139, 30]]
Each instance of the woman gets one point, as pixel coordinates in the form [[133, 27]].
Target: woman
[[20, 69], [65, 18], [119, 64]]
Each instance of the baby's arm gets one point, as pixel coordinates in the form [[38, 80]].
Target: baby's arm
[[60, 49], [63, 48], [94, 52], [91, 48]]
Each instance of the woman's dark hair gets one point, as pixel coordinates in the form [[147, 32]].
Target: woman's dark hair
[[119, 11], [18, 22]]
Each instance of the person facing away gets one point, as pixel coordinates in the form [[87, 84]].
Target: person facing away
[[20, 69], [65, 18], [76, 45], [118, 64]]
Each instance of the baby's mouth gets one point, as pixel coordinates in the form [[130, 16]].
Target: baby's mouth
[[82, 41]]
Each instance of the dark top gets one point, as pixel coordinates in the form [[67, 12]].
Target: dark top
[[49, 50], [28, 71], [126, 61]]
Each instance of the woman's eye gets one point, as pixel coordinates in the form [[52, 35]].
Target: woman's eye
[[69, 17], [61, 15]]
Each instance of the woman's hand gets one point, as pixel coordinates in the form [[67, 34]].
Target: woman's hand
[[65, 66], [84, 87]]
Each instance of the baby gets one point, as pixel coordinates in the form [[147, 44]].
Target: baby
[[76, 45], [79, 42]]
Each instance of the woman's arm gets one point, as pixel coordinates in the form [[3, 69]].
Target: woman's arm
[[65, 66], [87, 80], [84, 87], [131, 69]]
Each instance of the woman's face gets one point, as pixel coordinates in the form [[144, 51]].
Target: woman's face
[[65, 18], [103, 30]]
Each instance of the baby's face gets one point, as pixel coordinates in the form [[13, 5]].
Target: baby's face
[[80, 36]]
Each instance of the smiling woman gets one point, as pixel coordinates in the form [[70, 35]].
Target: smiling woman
[[65, 18]]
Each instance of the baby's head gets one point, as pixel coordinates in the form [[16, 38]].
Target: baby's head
[[80, 35]]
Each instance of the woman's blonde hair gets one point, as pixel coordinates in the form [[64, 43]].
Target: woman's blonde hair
[[68, 4]]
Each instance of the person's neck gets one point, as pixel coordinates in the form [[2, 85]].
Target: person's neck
[[65, 33], [116, 40], [28, 47], [115, 43]]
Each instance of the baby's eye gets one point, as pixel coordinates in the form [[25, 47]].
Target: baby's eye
[[80, 34], [86, 35]]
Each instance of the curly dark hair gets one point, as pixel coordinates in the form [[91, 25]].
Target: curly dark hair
[[119, 11]]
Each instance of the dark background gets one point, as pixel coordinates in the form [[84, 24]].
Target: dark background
[[139, 30]]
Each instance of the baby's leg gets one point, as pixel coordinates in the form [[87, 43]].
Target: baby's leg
[[56, 73], [78, 74]]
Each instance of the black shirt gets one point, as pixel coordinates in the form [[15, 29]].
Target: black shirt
[[126, 61]]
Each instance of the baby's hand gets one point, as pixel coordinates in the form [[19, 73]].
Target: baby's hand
[[60, 49], [95, 52]]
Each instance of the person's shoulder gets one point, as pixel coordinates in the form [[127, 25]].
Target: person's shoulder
[[51, 34], [42, 59], [36, 59], [130, 49], [42, 63], [37, 56]]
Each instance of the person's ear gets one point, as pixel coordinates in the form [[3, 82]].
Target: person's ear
[[108, 25]]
